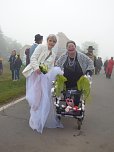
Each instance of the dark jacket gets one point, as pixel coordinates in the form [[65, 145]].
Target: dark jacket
[[17, 64], [27, 53], [12, 61]]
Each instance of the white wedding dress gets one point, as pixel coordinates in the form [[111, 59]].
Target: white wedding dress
[[38, 95]]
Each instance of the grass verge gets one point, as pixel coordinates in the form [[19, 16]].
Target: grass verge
[[10, 90]]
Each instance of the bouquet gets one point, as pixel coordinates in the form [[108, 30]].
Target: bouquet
[[43, 68]]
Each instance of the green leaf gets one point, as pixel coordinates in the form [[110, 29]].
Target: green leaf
[[59, 84], [83, 85]]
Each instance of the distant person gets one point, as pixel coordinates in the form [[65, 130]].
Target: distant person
[[105, 65], [12, 62], [27, 53], [1, 66], [98, 65], [38, 40], [17, 66], [91, 55], [109, 68], [101, 64]]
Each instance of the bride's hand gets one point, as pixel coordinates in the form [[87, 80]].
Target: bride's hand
[[38, 71]]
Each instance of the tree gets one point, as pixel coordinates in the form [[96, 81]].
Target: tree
[[12, 44], [7, 45], [2, 42]]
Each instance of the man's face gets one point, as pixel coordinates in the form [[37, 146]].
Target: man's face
[[90, 51], [13, 52]]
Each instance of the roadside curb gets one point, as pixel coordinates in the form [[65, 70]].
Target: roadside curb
[[11, 104]]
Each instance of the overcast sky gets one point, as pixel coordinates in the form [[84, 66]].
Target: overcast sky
[[80, 20]]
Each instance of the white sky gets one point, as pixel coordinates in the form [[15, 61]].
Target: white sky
[[80, 20]]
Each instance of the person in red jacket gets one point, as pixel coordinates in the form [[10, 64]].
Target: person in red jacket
[[109, 68]]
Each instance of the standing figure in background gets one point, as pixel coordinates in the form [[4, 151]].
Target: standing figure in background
[[98, 65], [91, 55], [105, 65], [101, 64], [17, 66], [27, 53], [109, 68], [1, 66], [12, 64], [38, 40]]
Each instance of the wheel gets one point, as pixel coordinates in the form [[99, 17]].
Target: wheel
[[79, 122]]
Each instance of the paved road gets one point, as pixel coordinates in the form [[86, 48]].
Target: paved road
[[97, 132]]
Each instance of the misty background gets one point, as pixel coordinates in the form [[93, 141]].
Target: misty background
[[83, 21]]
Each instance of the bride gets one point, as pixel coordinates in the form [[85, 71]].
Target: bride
[[38, 86]]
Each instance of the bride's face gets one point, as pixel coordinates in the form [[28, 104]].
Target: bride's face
[[51, 43]]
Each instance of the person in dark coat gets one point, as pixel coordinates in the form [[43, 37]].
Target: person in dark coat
[[12, 62], [17, 66], [27, 53], [38, 40], [1, 66], [98, 65], [105, 65]]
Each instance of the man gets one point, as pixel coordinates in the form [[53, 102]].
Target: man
[[98, 65], [91, 55], [12, 64], [27, 53], [38, 40], [17, 66], [105, 65]]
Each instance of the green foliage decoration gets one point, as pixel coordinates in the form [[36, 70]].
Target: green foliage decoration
[[59, 85], [83, 85]]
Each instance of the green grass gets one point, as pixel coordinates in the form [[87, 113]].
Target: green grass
[[10, 90]]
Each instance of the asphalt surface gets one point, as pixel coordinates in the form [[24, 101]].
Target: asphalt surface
[[96, 135]]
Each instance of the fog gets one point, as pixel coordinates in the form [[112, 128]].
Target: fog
[[80, 20]]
